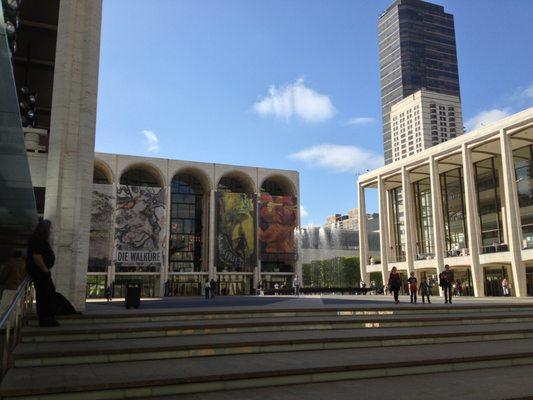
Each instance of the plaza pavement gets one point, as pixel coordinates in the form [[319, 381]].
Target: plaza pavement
[[286, 302]]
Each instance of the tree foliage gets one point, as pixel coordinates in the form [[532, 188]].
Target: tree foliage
[[335, 272]]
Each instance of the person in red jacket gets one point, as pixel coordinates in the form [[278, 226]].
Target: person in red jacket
[[395, 283]]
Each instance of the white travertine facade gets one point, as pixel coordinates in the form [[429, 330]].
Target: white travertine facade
[[465, 202], [71, 147], [113, 167], [422, 120]]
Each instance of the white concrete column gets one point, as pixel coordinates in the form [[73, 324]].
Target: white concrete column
[[363, 242], [165, 265], [383, 229], [472, 220], [257, 270], [439, 243], [212, 238], [71, 149], [408, 220], [512, 214]]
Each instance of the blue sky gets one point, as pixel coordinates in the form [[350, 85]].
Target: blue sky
[[285, 84]]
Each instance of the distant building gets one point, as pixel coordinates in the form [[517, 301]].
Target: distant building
[[416, 50], [422, 120], [348, 221]]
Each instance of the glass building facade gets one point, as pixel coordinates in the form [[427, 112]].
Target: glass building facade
[[416, 50], [398, 222], [523, 163], [186, 210], [424, 219], [455, 233], [489, 205]]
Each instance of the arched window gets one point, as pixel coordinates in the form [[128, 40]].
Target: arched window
[[273, 188], [185, 242], [100, 176], [139, 177], [233, 185], [278, 186]]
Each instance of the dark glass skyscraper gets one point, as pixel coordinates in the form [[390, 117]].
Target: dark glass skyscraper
[[416, 50]]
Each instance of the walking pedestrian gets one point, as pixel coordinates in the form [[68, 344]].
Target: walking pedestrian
[[446, 282], [207, 288], [212, 288], [41, 259], [296, 285], [395, 283], [413, 287], [425, 290], [108, 293], [505, 287]]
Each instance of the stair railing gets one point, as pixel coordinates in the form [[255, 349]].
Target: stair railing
[[11, 322]]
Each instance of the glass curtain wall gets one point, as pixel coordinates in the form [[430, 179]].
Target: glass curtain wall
[[185, 246], [488, 197], [454, 212], [523, 163], [398, 221], [424, 219]]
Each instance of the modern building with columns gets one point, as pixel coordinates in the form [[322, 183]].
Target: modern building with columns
[[467, 202], [172, 224]]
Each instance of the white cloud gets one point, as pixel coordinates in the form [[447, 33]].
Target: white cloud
[[360, 121], [339, 158], [528, 92], [295, 100], [485, 117], [303, 212], [151, 140]]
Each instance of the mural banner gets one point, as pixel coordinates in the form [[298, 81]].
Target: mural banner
[[102, 209], [139, 226], [277, 221], [235, 232]]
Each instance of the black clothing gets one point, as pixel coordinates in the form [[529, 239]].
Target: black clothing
[[425, 288], [44, 293], [61, 305], [395, 283], [212, 286], [425, 291], [446, 280], [395, 292], [42, 281], [413, 296], [36, 246], [447, 293]]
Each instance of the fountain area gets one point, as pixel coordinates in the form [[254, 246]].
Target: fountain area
[[330, 255]]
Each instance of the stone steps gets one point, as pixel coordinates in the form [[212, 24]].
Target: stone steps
[[87, 332], [143, 379], [104, 351], [486, 384], [128, 356], [136, 316]]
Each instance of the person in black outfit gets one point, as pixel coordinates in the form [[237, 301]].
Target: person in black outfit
[[395, 283], [413, 287], [41, 259], [446, 281], [425, 290], [213, 288]]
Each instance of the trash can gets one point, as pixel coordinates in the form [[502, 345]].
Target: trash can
[[133, 294]]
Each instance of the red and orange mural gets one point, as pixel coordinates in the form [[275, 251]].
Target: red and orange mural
[[277, 221]]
